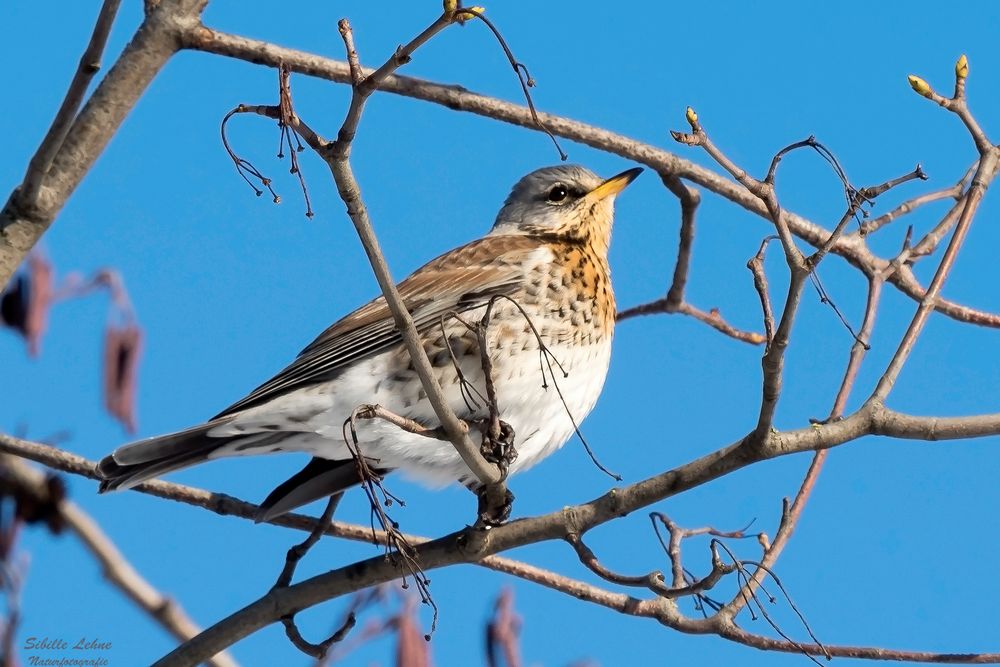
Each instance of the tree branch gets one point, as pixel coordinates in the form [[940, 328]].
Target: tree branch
[[23, 220], [171, 24], [741, 636], [226, 505], [475, 546], [471, 545], [90, 65], [989, 159], [162, 609], [337, 157], [674, 301], [851, 247]]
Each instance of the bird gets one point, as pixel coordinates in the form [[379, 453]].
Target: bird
[[542, 271]]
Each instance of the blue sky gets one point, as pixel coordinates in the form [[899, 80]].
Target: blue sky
[[229, 287]]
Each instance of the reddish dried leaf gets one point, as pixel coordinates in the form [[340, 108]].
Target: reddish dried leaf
[[24, 305], [122, 346], [503, 632], [411, 647]]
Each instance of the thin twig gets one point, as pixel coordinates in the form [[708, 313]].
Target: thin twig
[[689, 200], [856, 200], [929, 242], [824, 298], [244, 167], [337, 157], [319, 650], [523, 76], [654, 580], [89, 66], [290, 126], [756, 266], [347, 34], [674, 301], [712, 318], [748, 593], [877, 653], [549, 361], [398, 546], [984, 174], [404, 423], [471, 396], [297, 552], [672, 546], [861, 345], [494, 449], [957, 104], [874, 224], [458, 98]]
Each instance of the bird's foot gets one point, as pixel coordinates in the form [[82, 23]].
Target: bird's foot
[[490, 514], [498, 448]]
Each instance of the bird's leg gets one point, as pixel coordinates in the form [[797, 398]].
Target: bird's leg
[[498, 443], [486, 514], [498, 448]]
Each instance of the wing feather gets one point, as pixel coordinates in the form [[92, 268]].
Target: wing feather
[[463, 279]]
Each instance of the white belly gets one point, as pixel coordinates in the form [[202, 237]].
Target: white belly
[[541, 419]]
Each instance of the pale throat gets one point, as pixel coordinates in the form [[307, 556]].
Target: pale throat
[[594, 227]]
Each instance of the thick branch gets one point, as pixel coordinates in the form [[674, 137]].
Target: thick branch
[[472, 545], [22, 220], [164, 610], [225, 505]]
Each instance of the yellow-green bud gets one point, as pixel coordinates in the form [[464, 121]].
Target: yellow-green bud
[[467, 13], [962, 67], [919, 85], [692, 117]]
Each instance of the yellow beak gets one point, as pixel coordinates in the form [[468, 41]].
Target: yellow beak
[[615, 184]]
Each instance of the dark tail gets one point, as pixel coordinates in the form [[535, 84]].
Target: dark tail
[[319, 479], [138, 461]]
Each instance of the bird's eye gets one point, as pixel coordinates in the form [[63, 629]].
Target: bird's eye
[[557, 194]]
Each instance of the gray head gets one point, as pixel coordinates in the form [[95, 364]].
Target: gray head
[[565, 200]]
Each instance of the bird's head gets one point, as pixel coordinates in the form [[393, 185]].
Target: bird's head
[[565, 201]]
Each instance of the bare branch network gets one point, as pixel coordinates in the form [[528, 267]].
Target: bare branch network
[[79, 135]]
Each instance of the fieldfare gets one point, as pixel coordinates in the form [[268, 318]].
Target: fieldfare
[[543, 272]]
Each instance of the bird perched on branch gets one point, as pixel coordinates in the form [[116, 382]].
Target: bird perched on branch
[[541, 272]]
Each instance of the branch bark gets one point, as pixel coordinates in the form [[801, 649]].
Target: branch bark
[[477, 546], [162, 609], [23, 220], [70, 150], [471, 544]]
